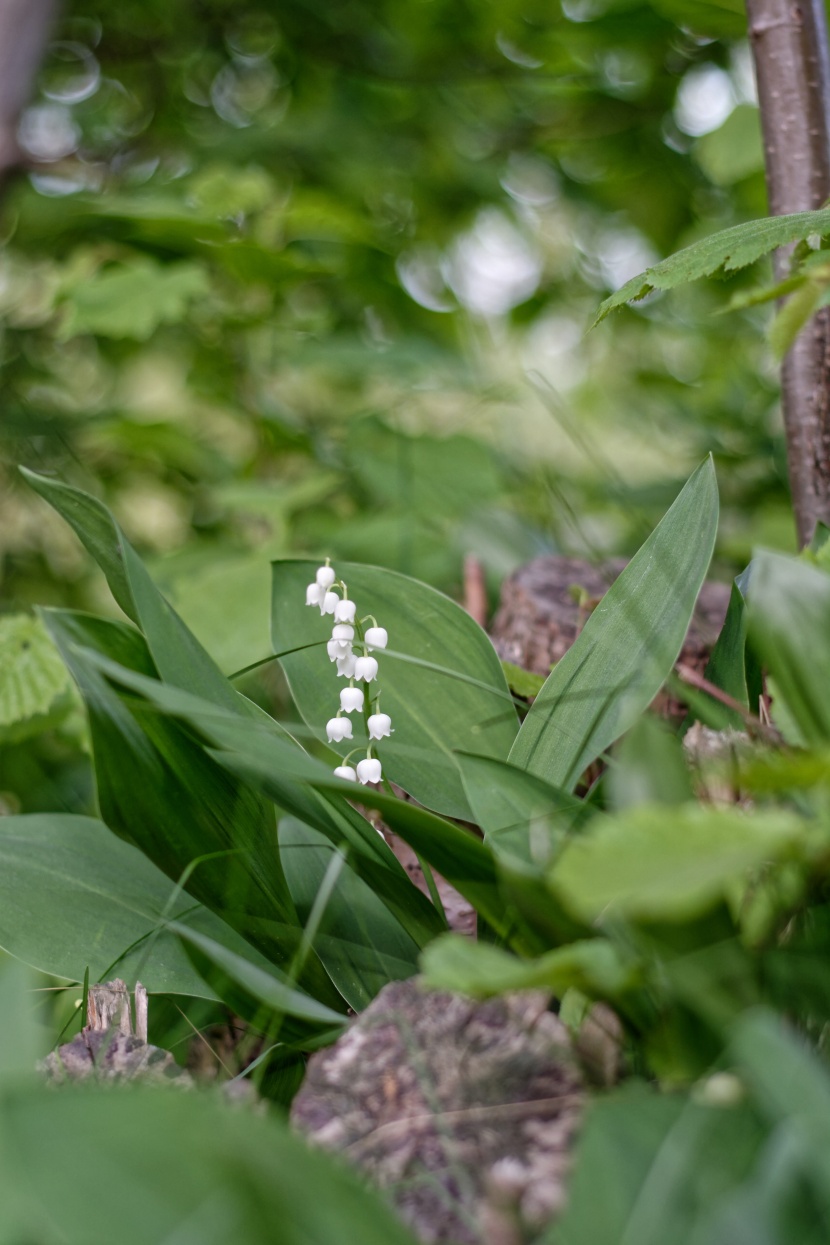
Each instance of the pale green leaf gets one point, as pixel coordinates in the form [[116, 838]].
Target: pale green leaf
[[668, 864], [592, 966], [132, 300], [34, 683]]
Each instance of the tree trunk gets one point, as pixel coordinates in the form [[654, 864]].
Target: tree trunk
[[792, 67], [24, 32]]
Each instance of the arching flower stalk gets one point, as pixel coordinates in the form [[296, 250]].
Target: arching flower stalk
[[331, 595]]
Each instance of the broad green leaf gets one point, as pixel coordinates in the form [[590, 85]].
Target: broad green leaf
[[663, 1163], [360, 943], [627, 647], [72, 895], [728, 250], [87, 1166], [248, 748], [669, 864], [253, 749], [521, 815], [594, 967], [132, 300], [440, 680], [248, 986], [35, 689], [160, 790], [23, 1038], [789, 629], [792, 1088], [792, 1082], [648, 767]]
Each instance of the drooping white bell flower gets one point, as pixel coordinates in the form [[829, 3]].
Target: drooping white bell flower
[[333, 650], [342, 633], [345, 663], [351, 698], [345, 771], [329, 602], [379, 724], [376, 637], [344, 612], [325, 577], [368, 770], [314, 594], [366, 668], [338, 729]]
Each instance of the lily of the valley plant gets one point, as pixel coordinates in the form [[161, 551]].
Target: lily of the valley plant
[[347, 634]]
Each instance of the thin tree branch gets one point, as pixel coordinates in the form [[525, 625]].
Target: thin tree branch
[[792, 68], [25, 26]]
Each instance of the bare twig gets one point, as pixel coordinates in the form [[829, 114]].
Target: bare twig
[[475, 590]]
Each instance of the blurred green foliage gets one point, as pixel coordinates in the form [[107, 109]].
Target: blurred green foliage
[[317, 279]]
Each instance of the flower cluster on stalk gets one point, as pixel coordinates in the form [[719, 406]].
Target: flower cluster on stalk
[[347, 634]]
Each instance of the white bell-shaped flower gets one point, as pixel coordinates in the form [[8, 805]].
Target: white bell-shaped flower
[[343, 633], [314, 594], [379, 724], [368, 770], [345, 771], [376, 637], [333, 650], [338, 729], [344, 612], [325, 577], [346, 664], [366, 668], [351, 699], [329, 602]]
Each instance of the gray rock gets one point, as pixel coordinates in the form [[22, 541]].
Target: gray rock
[[464, 1112]]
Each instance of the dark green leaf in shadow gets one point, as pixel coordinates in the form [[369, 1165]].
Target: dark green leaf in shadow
[[159, 789], [260, 753], [248, 987], [360, 943]]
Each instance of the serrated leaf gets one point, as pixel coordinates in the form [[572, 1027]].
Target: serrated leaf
[[729, 250], [34, 683], [133, 299]]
